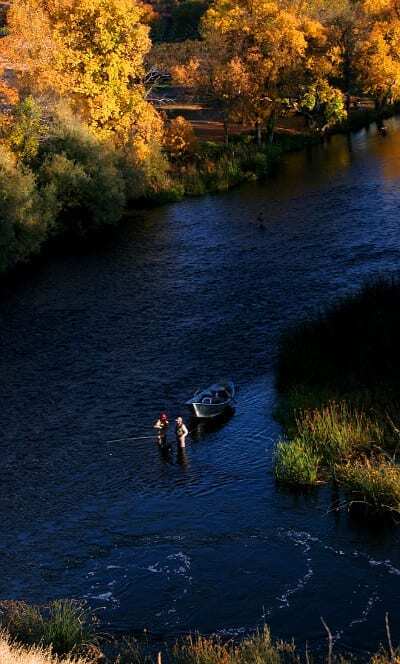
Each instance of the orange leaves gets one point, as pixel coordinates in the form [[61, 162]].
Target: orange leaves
[[90, 51], [378, 53], [179, 138]]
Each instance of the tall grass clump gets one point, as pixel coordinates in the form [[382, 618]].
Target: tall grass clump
[[64, 625], [338, 378], [337, 432], [258, 648], [353, 345], [373, 483], [296, 463], [11, 653]]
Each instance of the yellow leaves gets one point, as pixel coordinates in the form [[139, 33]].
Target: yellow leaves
[[314, 31], [8, 94], [179, 138], [88, 50], [375, 7], [378, 52]]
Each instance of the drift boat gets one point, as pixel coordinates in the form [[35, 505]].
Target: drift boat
[[212, 401]]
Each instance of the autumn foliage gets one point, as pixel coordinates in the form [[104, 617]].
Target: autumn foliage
[[90, 51], [80, 137]]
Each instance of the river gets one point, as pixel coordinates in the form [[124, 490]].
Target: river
[[94, 346]]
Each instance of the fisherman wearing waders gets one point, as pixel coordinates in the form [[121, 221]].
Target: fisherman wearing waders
[[162, 427], [181, 432]]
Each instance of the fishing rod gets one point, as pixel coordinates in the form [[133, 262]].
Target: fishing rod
[[120, 440]]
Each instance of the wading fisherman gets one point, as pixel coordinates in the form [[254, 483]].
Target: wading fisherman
[[261, 220], [181, 432], [162, 427]]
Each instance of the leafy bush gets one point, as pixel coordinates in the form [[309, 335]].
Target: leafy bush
[[82, 174], [180, 140], [24, 217], [26, 130], [296, 463]]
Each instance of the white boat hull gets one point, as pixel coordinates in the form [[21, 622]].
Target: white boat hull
[[209, 403]]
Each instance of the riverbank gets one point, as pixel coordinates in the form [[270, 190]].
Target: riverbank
[[63, 631], [214, 167], [339, 387], [75, 188]]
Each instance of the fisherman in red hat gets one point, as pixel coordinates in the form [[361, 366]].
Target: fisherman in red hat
[[162, 427]]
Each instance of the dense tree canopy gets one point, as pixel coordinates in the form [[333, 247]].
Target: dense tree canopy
[[90, 51]]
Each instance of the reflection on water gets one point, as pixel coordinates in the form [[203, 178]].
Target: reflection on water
[[94, 347]]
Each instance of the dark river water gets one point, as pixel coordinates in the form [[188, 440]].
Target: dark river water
[[93, 346]]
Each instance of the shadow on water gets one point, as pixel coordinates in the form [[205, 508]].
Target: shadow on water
[[202, 428], [93, 347]]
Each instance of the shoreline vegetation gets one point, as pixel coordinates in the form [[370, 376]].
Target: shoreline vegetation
[[67, 631], [88, 130], [338, 379]]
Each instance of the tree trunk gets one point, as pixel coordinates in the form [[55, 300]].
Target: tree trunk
[[271, 126], [348, 102], [258, 133], [226, 132]]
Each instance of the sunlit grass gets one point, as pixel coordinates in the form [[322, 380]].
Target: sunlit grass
[[10, 653], [338, 432], [259, 648], [65, 625], [296, 463], [374, 483]]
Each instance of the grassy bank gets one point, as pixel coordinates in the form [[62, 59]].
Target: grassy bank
[[338, 378], [11, 653], [19, 646]]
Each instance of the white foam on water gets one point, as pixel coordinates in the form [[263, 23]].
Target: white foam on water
[[372, 600], [103, 596], [231, 631], [385, 563], [304, 540], [175, 565]]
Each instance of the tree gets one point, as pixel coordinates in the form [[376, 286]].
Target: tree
[[180, 139], [214, 78], [250, 52], [378, 52], [90, 51], [323, 105]]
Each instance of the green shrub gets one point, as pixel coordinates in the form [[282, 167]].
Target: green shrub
[[26, 130], [82, 174], [296, 463], [63, 625], [24, 216]]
